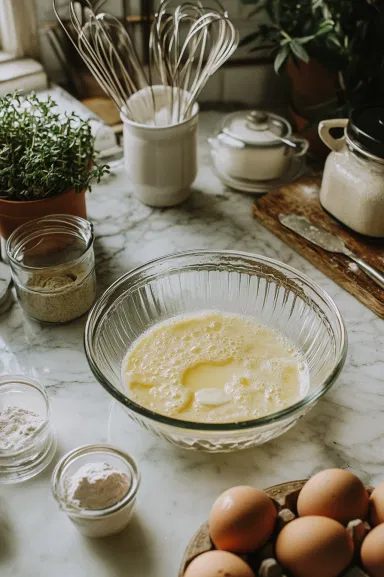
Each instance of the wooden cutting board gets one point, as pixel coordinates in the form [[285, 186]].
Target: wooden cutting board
[[302, 198]]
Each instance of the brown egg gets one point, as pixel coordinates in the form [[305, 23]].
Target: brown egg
[[314, 547], [336, 494], [372, 552], [242, 519], [218, 564], [376, 505]]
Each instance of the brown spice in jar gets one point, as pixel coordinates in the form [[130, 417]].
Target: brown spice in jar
[[60, 297]]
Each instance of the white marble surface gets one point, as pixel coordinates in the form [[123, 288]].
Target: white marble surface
[[346, 429]]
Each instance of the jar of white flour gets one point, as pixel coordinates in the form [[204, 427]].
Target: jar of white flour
[[27, 437], [352, 188], [96, 486]]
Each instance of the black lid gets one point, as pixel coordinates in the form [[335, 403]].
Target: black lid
[[366, 128]]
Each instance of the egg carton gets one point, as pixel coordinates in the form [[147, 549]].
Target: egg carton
[[263, 561]]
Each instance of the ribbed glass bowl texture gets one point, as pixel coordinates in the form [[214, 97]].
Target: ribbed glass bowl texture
[[269, 291]]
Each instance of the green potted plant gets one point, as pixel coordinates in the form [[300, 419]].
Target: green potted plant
[[47, 161], [332, 51]]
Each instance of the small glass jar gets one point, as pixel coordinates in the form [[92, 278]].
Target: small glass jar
[[33, 453], [97, 522], [53, 267]]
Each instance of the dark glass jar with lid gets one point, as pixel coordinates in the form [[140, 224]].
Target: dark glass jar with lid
[[352, 188]]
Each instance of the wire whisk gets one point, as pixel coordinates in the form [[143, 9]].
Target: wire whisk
[[107, 49], [188, 43]]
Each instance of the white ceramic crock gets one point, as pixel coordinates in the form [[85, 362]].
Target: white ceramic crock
[[161, 159], [255, 145]]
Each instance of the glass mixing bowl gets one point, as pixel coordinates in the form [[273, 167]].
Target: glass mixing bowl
[[269, 291]]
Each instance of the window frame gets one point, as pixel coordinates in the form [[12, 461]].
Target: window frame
[[18, 30]]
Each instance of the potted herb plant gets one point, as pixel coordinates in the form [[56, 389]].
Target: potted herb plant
[[47, 161], [332, 51]]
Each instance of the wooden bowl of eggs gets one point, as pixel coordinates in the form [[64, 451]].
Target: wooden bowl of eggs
[[329, 526]]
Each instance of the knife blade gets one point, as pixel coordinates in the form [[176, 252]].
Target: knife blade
[[326, 240], [314, 234]]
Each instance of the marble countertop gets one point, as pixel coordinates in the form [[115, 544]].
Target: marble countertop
[[346, 429]]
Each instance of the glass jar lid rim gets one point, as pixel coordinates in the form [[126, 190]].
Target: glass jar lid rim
[[36, 230], [366, 130]]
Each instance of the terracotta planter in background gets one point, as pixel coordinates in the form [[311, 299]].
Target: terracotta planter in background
[[313, 98], [311, 84], [13, 213], [309, 130]]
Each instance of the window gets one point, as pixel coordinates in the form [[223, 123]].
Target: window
[[18, 30]]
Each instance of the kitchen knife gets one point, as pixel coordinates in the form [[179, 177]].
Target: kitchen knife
[[324, 239]]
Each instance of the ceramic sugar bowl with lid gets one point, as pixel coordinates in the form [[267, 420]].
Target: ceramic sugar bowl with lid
[[352, 189], [255, 145]]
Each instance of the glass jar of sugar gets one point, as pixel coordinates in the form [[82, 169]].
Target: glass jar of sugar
[[27, 438], [53, 267], [352, 189], [96, 486]]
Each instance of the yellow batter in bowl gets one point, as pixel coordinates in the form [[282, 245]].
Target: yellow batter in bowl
[[214, 367]]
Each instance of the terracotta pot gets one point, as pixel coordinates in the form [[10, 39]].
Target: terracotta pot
[[313, 98], [309, 130], [311, 84], [13, 213]]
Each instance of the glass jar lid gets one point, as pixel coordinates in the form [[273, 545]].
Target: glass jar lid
[[256, 127], [366, 129]]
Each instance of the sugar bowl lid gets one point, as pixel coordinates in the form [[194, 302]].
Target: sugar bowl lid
[[366, 129], [256, 127]]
